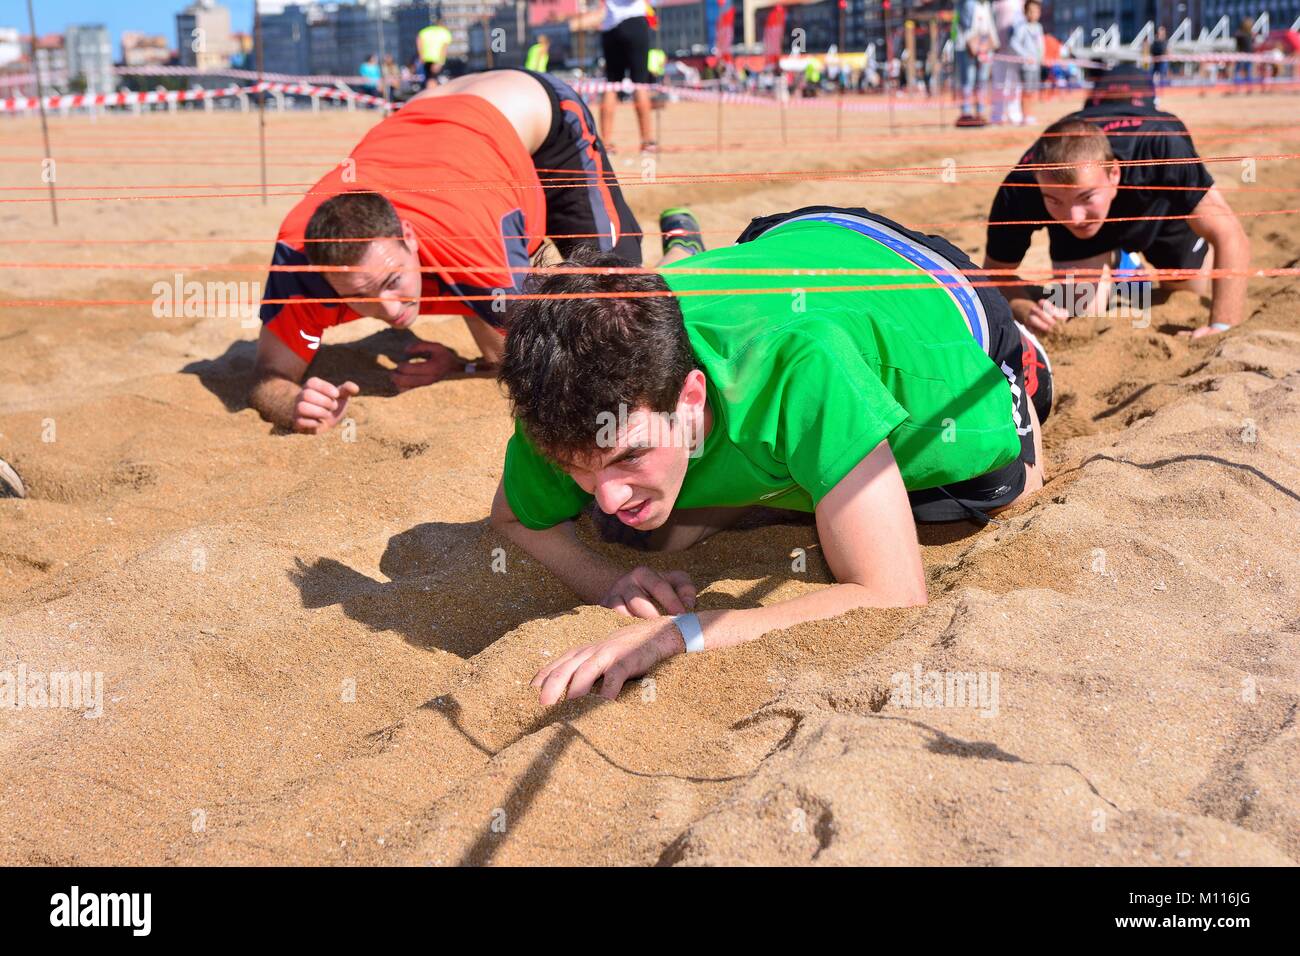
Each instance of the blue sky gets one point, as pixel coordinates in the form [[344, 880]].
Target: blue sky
[[149, 16]]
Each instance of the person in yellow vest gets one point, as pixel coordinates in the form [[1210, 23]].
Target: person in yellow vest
[[432, 43], [812, 78], [539, 55], [657, 61]]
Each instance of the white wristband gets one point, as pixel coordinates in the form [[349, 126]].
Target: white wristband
[[1220, 326], [692, 632]]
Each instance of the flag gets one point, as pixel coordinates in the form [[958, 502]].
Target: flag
[[773, 33], [726, 34]]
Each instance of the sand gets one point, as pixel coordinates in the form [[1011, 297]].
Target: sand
[[308, 657]]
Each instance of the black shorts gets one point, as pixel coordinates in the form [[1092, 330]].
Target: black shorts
[[627, 51], [584, 205], [1176, 246], [1011, 347]]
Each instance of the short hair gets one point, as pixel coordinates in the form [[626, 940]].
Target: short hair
[[343, 226], [1069, 144], [569, 359]]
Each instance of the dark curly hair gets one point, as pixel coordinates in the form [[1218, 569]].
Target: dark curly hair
[[569, 359]]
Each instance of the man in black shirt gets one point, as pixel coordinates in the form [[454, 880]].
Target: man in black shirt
[[1115, 179]]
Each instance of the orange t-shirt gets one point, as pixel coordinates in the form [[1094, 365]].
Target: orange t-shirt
[[453, 167]]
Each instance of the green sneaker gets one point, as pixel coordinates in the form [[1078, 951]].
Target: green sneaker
[[680, 228]]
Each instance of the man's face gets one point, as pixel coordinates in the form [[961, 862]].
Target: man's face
[[639, 478], [1087, 198], [388, 272], [1032, 12]]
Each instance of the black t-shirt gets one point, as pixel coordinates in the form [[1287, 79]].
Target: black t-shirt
[[1022, 200]]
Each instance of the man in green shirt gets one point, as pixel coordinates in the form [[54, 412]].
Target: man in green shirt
[[874, 385]]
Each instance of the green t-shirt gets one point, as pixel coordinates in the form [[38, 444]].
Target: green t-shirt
[[805, 382]]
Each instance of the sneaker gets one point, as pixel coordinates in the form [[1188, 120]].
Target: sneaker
[[11, 486], [1131, 283], [680, 228]]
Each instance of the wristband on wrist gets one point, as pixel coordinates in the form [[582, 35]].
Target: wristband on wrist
[[692, 632], [1220, 326]]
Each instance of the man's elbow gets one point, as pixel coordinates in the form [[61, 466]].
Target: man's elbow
[[502, 517], [913, 594]]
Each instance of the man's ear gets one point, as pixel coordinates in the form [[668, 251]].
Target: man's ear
[[690, 403], [1113, 172], [408, 236], [693, 391]]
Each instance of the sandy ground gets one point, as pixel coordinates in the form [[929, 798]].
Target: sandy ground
[[307, 656]]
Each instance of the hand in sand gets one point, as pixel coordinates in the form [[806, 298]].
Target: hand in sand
[[1200, 333], [426, 363], [636, 592], [628, 653], [1039, 317], [321, 406]]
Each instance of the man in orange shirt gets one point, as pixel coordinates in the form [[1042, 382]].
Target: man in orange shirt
[[450, 196]]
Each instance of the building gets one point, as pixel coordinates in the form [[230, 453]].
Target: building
[[342, 36], [11, 47], [89, 52], [286, 41], [203, 37], [145, 49]]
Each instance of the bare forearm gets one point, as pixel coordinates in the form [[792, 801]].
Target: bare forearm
[[725, 628], [274, 398], [588, 574], [1233, 256]]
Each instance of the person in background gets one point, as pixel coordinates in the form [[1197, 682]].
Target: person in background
[[625, 42], [371, 75], [1245, 37], [432, 43], [975, 41], [391, 77], [1159, 48], [539, 55], [812, 78], [1005, 73], [656, 62], [1027, 43]]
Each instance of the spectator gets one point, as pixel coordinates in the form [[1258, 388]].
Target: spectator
[[976, 40], [432, 43], [539, 55], [371, 75], [625, 43], [1160, 49], [391, 77], [1245, 44], [1005, 72], [1027, 42]]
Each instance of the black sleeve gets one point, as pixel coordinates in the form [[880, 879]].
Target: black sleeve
[[1017, 200], [1193, 175]]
